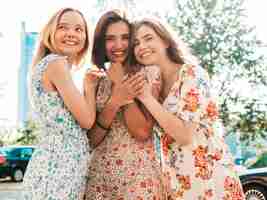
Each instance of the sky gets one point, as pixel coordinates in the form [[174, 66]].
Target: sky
[[36, 13]]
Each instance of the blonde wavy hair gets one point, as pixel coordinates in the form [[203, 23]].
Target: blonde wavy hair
[[47, 37]]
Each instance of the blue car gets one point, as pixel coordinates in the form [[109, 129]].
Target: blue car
[[14, 161]]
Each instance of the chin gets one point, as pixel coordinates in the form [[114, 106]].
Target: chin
[[118, 60], [145, 62]]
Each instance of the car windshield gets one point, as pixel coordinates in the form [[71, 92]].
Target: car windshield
[[5, 150]]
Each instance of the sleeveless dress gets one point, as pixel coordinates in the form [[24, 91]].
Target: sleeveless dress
[[58, 167], [203, 170], [123, 168]]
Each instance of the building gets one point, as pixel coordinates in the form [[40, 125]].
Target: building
[[28, 42]]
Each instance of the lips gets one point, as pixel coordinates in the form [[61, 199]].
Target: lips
[[70, 43], [118, 53], [144, 54]]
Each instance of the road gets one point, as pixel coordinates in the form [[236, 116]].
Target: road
[[10, 190]]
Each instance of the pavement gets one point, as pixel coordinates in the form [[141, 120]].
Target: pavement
[[8, 185], [10, 190]]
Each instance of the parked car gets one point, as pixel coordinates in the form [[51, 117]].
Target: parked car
[[14, 161], [254, 182], [260, 161]]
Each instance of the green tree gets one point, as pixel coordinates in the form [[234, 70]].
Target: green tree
[[28, 134], [228, 48]]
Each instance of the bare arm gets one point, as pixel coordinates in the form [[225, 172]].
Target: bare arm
[[140, 124], [122, 93], [178, 129], [83, 109], [192, 103], [105, 118]]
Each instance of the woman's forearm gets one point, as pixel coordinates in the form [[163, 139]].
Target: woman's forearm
[[104, 119], [137, 121], [180, 130], [90, 100]]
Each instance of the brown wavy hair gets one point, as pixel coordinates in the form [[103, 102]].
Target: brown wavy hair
[[177, 51]]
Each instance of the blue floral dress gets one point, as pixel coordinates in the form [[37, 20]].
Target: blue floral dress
[[58, 168]]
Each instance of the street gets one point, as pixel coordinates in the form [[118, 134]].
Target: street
[[10, 190]]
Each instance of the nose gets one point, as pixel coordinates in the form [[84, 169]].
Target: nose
[[119, 44], [70, 33], [140, 46]]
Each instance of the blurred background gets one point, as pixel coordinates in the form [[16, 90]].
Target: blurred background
[[229, 37]]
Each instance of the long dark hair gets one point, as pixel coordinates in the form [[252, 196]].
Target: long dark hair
[[99, 56]]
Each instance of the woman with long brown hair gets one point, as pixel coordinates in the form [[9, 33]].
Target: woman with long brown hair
[[123, 164], [195, 161]]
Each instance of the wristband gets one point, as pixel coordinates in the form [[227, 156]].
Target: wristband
[[101, 126]]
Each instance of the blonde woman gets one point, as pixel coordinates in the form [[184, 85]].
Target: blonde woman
[[58, 166]]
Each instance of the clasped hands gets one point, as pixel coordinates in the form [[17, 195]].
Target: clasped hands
[[125, 87]]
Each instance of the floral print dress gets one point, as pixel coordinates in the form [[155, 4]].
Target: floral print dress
[[58, 168], [203, 170], [121, 167]]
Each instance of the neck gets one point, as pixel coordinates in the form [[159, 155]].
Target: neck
[[70, 60], [168, 70]]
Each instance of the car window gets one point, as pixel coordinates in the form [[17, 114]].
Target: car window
[[26, 152], [5, 151], [15, 152]]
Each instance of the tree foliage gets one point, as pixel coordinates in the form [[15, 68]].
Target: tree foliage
[[228, 48], [28, 134]]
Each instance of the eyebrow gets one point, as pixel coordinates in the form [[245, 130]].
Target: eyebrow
[[147, 35], [121, 35], [65, 23]]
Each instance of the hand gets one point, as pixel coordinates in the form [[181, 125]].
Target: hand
[[156, 88], [129, 88], [116, 72], [146, 92], [92, 76]]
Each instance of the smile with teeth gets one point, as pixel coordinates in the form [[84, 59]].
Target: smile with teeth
[[71, 43], [145, 54], [118, 53]]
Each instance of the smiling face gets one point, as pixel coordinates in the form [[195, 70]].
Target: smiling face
[[149, 48], [117, 42], [70, 34]]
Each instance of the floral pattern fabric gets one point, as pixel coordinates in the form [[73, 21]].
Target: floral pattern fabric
[[121, 167], [203, 170], [58, 167]]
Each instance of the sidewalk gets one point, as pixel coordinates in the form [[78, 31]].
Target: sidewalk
[[8, 185]]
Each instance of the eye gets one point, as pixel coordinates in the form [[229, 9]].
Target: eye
[[109, 38], [148, 38], [125, 37], [61, 27], [79, 29], [136, 43]]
